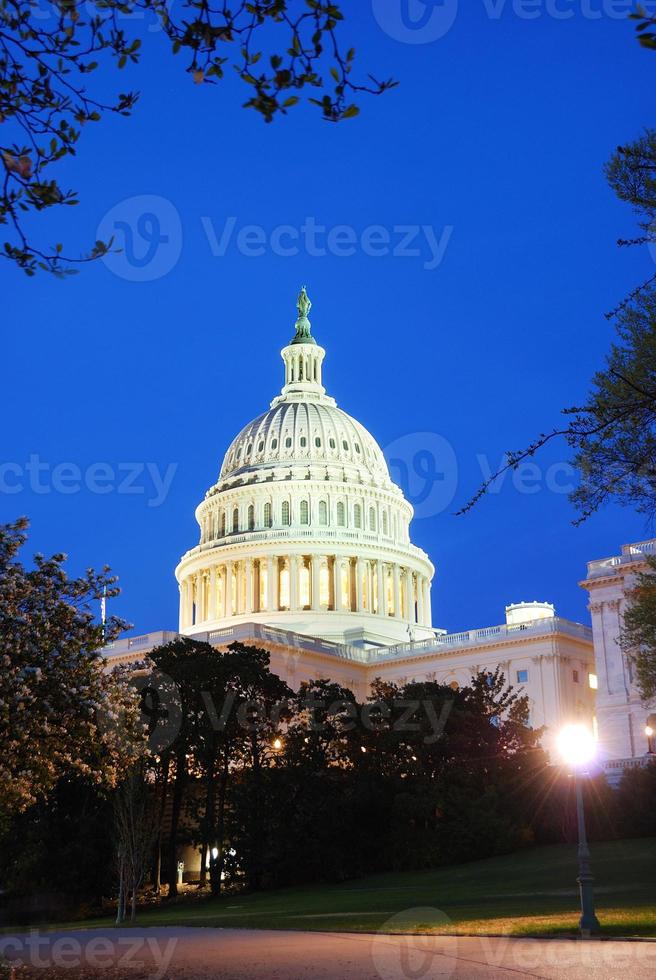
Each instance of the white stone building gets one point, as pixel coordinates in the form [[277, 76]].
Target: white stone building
[[621, 715], [305, 549]]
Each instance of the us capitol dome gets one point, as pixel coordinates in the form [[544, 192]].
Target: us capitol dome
[[304, 530]]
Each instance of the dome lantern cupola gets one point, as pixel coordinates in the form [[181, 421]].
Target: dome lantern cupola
[[303, 358]]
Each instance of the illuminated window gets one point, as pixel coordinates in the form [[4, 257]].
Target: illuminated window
[[345, 586], [251, 518], [285, 512], [522, 676], [340, 514], [305, 512], [357, 515], [592, 681], [323, 512], [235, 519], [267, 515]]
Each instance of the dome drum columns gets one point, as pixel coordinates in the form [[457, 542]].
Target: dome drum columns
[[293, 583]]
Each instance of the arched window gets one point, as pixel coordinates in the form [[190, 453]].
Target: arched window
[[323, 512], [274, 443], [340, 514], [260, 446], [317, 442], [372, 518], [267, 515], [251, 518], [223, 523], [345, 444], [288, 442], [303, 442], [305, 512], [300, 371], [235, 519], [357, 515], [385, 523], [332, 444], [285, 512]]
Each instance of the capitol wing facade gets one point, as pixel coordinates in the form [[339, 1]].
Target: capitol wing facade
[[304, 528]]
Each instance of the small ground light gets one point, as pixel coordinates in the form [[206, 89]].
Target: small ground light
[[363, 748]]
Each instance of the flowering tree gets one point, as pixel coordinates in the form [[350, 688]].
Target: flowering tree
[[61, 711]]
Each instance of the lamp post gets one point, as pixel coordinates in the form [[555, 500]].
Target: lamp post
[[577, 747]]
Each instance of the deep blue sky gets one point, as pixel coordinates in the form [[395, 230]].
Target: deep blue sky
[[499, 129]]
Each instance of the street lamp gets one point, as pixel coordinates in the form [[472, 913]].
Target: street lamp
[[577, 746]]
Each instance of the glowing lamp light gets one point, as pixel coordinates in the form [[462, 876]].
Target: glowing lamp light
[[577, 745], [277, 744], [649, 731], [215, 853]]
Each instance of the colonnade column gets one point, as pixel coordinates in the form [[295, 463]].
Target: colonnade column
[[211, 613], [427, 603], [315, 588], [271, 602], [420, 599], [380, 580], [229, 592], [199, 597], [337, 583], [249, 585], [358, 585], [293, 583], [396, 573]]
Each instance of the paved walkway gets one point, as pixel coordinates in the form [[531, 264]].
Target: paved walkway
[[237, 954]]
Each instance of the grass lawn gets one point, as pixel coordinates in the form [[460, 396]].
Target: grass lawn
[[531, 892]]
